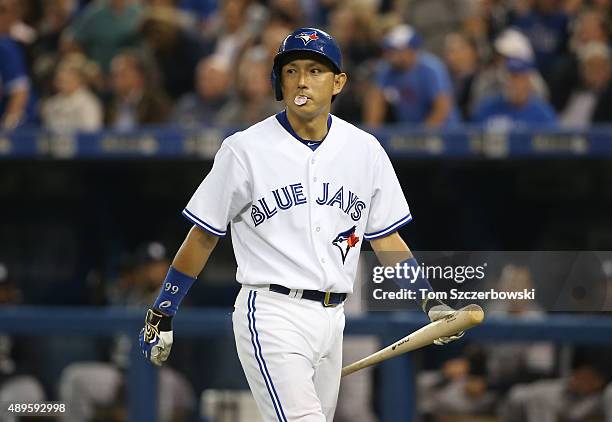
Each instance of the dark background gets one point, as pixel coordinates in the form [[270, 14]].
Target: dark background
[[61, 219]]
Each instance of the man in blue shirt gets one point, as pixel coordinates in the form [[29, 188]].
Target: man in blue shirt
[[518, 107], [414, 83], [103, 29], [15, 103], [546, 25]]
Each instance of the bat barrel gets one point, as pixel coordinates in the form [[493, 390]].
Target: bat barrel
[[475, 313]]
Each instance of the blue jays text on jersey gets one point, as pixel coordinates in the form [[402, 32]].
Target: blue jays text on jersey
[[298, 218], [289, 196]]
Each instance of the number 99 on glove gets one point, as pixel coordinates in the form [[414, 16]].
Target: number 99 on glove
[[156, 337]]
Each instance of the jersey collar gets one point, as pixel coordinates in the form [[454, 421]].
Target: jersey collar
[[284, 121]]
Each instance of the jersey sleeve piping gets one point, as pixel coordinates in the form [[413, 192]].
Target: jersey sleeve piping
[[202, 224], [393, 227]]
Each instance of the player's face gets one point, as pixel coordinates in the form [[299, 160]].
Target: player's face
[[308, 86]]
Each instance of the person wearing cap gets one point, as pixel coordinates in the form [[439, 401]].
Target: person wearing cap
[[413, 82], [517, 106], [510, 44]]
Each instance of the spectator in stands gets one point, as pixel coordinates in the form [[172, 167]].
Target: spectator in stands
[[103, 29], [74, 107], [55, 19], [95, 390], [272, 35], [590, 101], [357, 46], [253, 100], [577, 397], [510, 44], [459, 389], [16, 99], [484, 22], [413, 82], [434, 19], [137, 98], [293, 11], [22, 26], [234, 26], [471, 385], [584, 369], [350, 105], [461, 58], [517, 107], [212, 86], [590, 27], [176, 51], [603, 7], [187, 11], [201, 9], [546, 25], [16, 385]]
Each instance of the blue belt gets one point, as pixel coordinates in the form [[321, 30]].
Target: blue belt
[[327, 299]]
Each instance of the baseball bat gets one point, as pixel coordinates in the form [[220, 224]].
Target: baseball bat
[[461, 320]]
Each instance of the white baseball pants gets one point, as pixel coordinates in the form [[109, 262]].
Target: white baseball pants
[[291, 353]]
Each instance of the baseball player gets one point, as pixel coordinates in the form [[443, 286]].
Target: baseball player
[[301, 190]]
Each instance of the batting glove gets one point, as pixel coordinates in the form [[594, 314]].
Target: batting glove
[[436, 310], [156, 337]]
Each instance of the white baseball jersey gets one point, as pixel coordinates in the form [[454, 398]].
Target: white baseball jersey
[[298, 216]]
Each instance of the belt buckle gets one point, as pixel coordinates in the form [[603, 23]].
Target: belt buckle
[[326, 303]]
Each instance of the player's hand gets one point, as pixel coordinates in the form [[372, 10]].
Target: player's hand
[[436, 310], [156, 337]]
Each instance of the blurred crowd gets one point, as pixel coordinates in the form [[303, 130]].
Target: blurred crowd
[[78, 65], [527, 381]]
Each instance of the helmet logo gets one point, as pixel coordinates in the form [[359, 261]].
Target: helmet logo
[[307, 36]]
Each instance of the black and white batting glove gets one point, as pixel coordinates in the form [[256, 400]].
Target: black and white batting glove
[[436, 310], [156, 336]]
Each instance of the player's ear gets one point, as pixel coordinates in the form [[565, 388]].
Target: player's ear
[[339, 81]]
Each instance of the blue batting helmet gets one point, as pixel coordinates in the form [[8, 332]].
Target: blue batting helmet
[[310, 40]]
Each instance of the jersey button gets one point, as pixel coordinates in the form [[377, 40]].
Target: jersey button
[[312, 161], [323, 260], [314, 179], [318, 229]]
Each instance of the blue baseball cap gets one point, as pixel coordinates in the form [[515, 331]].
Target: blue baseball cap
[[401, 37], [519, 65]]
